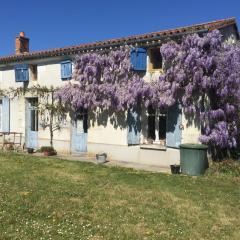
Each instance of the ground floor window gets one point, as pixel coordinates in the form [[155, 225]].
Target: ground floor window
[[156, 126]]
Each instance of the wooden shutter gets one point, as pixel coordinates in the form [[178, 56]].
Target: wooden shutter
[[139, 59], [66, 70], [134, 126], [5, 114], [21, 73], [174, 121]]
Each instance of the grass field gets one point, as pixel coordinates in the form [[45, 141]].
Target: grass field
[[47, 198]]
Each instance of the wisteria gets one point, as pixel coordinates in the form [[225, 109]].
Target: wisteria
[[103, 80], [202, 73]]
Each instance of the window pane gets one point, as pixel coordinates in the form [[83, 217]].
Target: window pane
[[34, 120], [156, 58], [162, 127]]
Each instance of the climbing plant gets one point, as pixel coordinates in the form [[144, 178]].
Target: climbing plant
[[204, 74], [103, 80], [201, 72], [52, 114]]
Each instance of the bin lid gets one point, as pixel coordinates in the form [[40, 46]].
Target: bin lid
[[193, 146]]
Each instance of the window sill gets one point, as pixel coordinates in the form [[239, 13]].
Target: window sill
[[153, 147], [155, 70]]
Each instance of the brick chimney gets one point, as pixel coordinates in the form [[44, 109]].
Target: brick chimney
[[21, 44]]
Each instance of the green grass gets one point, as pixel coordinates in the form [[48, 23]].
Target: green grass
[[48, 198]]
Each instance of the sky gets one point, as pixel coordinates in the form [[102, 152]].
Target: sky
[[59, 23]]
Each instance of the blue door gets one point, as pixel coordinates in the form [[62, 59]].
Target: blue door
[[32, 123], [79, 132]]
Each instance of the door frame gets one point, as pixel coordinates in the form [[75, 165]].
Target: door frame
[[28, 123], [84, 113]]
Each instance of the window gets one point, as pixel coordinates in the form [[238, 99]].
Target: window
[[34, 120], [66, 70], [156, 126], [1, 115], [33, 114], [34, 72], [21, 73], [81, 121], [155, 59]]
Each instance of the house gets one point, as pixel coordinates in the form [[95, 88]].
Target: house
[[148, 136]]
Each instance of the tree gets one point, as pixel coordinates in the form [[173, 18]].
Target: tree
[[51, 112]]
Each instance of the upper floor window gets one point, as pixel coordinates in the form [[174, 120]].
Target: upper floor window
[[66, 70], [21, 73], [155, 59]]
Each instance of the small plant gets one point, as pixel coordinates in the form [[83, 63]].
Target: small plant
[[48, 150]]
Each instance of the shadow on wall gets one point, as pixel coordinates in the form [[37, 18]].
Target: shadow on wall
[[193, 120], [101, 117]]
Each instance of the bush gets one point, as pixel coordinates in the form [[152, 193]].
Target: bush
[[227, 167], [49, 149]]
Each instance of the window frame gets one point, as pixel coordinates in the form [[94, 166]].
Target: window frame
[[150, 62]]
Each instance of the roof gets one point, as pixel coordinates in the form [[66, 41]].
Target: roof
[[141, 39]]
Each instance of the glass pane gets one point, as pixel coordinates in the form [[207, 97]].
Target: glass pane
[[34, 120], [162, 127], [151, 127]]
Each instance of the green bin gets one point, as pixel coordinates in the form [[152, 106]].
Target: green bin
[[193, 159]]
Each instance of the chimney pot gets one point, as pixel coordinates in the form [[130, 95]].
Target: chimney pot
[[22, 34], [21, 44]]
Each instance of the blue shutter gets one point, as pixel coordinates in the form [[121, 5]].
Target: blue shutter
[[134, 126], [21, 73], [139, 59], [66, 70], [5, 114], [174, 121]]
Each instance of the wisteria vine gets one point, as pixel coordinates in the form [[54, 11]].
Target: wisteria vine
[[202, 73]]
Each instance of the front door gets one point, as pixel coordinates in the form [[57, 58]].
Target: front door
[[32, 123], [79, 132]]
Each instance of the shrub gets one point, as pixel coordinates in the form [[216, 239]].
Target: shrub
[[227, 167], [49, 149]]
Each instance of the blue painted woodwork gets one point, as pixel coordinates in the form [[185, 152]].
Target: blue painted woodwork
[[21, 73], [138, 58], [5, 114], [32, 126], [66, 70], [174, 121], [79, 132], [134, 126]]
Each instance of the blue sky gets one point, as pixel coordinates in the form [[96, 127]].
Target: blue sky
[[59, 23]]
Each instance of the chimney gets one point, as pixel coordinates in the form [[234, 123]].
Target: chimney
[[21, 44]]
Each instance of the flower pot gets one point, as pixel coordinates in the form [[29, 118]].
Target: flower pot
[[48, 153], [175, 169], [101, 157], [30, 150]]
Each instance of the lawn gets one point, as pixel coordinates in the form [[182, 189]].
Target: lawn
[[48, 198]]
